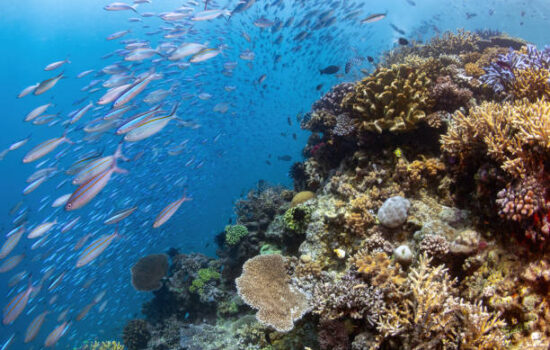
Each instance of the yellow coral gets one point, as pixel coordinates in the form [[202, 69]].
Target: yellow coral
[[394, 99], [531, 83], [105, 345], [379, 268], [473, 69], [506, 132]]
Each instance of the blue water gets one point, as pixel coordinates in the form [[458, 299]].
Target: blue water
[[227, 155]]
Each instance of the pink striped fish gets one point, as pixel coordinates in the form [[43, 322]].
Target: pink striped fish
[[17, 304], [150, 127], [11, 263], [95, 249], [56, 334], [34, 327], [89, 189], [11, 242], [134, 90], [41, 229], [170, 210], [97, 166], [44, 148], [82, 241]]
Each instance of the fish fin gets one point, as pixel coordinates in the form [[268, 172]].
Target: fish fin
[[134, 8], [116, 169], [118, 153]]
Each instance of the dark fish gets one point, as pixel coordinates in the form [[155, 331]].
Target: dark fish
[[470, 15], [289, 121], [267, 162], [329, 70], [397, 29], [403, 41], [411, 2], [294, 136], [370, 59], [347, 68], [319, 87], [285, 158]]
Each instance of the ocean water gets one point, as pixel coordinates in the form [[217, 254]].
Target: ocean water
[[213, 157]]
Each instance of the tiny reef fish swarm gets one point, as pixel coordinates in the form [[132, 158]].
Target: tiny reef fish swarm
[[457, 132]]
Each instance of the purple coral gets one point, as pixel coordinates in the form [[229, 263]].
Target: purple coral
[[332, 99], [344, 125], [500, 74], [448, 96]]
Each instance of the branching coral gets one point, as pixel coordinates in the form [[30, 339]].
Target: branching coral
[[430, 316], [264, 285], [394, 99], [348, 296], [104, 345], [515, 135]]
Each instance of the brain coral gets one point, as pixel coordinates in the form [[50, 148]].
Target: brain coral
[[148, 272], [393, 213], [264, 285]]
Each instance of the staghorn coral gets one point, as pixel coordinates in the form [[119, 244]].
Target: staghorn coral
[[264, 285], [148, 272], [431, 316], [394, 99], [473, 69], [530, 83], [136, 334], [506, 132]]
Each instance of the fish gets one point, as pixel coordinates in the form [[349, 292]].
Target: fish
[[150, 127], [37, 111], [95, 249], [402, 41], [41, 229], [186, 49], [134, 90], [118, 35], [70, 225], [119, 216], [60, 201], [136, 121], [34, 327], [374, 18], [98, 166], [208, 15], [56, 334], [11, 242], [205, 54], [285, 158], [84, 311], [120, 6], [17, 304], [47, 84], [91, 188], [29, 89], [81, 242], [34, 185], [242, 6], [55, 65], [169, 211], [329, 70], [81, 112], [85, 73], [112, 94], [45, 148]]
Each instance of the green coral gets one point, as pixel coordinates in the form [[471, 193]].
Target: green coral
[[234, 234], [204, 275], [269, 249], [297, 218]]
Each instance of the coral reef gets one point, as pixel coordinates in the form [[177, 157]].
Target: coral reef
[[104, 345], [136, 334], [265, 286], [419, 218], [148, 272]]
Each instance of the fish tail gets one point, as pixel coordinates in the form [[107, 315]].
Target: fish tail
[[134, 8], [118, 153], [116, 169]]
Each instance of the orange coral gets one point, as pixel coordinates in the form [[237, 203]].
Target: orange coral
[[379, 268]]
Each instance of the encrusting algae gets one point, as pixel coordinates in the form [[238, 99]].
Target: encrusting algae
[[419, 219]]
